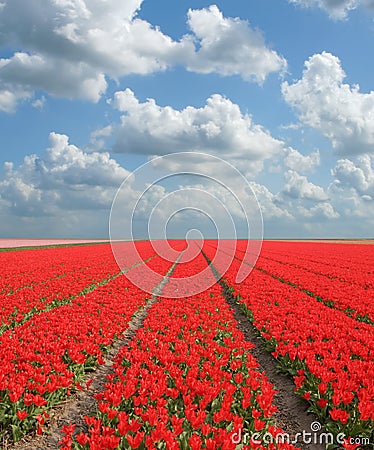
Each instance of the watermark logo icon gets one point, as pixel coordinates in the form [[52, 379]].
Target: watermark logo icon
[[315, 426], [191, 196]]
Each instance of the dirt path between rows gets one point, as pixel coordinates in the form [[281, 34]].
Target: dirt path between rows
[[83, 403], [292, 416]]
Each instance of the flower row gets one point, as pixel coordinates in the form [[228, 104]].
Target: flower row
[[350, 263], [68, 272], [44, 359], [23, 269], [355, 299], [329, 354], [187, 380]]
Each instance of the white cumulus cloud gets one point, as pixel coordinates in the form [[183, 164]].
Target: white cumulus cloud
[[339, 111], [302, 163], [357, 175], [69, 48], [321, 211], [337, 9], [24, 73], [271, 204], [298, 186], [11, 95], [219, 127], [65, 179], [230, 46]]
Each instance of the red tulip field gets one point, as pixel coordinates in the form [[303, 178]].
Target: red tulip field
[[182, 372]]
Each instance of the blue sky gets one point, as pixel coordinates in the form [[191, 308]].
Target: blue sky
[[91, 90]]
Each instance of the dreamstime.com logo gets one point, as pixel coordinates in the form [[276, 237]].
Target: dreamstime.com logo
[[191, 196], [315, 436]]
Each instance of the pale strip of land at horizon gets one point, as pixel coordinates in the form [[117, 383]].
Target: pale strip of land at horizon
[[13, 243], [327, 241]]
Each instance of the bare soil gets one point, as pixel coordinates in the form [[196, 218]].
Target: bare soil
[[82, 403], [292, 415]]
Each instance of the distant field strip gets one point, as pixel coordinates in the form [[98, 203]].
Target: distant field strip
[[14, 243]]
